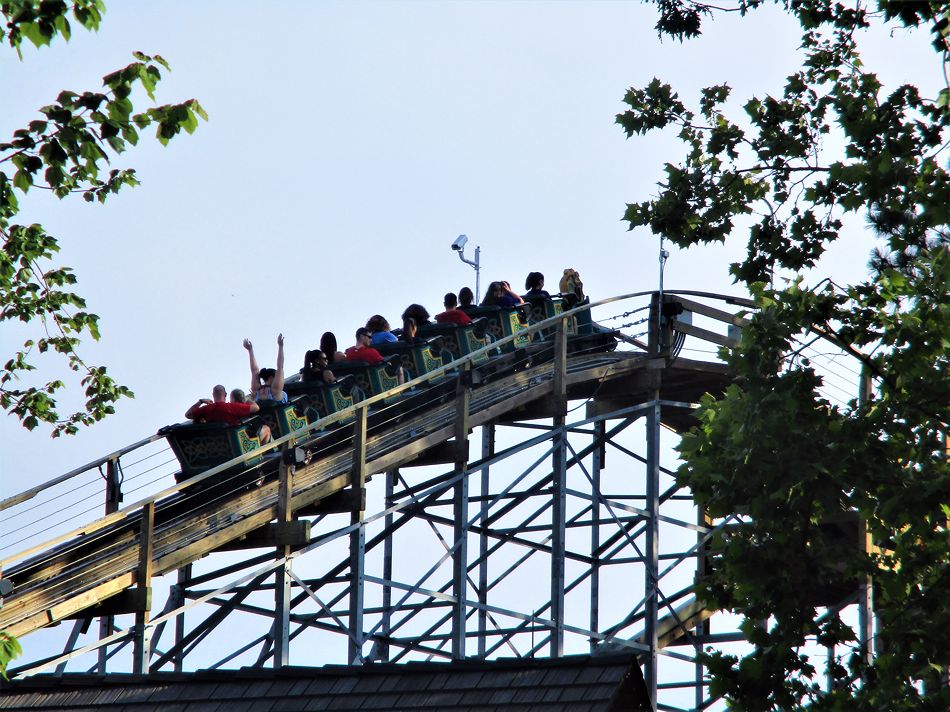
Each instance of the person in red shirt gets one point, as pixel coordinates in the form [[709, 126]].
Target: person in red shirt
[[362, 351], [219, 410], [452, 314]]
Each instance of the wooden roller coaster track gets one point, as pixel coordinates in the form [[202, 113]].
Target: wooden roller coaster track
[[114, 558]]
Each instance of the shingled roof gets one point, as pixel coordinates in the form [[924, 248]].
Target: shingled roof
[[569, 684]]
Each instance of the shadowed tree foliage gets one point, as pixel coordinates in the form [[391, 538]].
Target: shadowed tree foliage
[[68, 148], [789, 174]]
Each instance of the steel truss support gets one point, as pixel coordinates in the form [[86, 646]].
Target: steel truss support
[[520, 518], [562, 539], [549, 551]]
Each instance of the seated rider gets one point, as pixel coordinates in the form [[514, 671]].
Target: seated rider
[[417, 312], [267, 384], [572, 288], [329, 348], [534, 283], [501, 294], [466, 298], [380, 330], [452, 314], [218, 410], [315, 368], [362, 351], [410, 332]]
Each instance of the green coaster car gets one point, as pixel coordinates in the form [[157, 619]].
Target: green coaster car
[[316, 399], [502, 322], [417, 359], [371, 380], [460, 341], [201, 446]]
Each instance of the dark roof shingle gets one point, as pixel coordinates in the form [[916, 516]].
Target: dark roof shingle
[[568, 684]]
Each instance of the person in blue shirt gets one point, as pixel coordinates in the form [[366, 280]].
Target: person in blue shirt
[[380, 330]]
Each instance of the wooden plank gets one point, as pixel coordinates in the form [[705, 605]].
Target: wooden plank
[[442, 454], [705, 334], [63, 610], [712, 312], [546, 407], [688, 616]]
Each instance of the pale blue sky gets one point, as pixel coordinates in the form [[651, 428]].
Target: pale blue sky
[[348, 144]]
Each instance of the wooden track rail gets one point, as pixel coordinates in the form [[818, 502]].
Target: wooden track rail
[[54, 586]]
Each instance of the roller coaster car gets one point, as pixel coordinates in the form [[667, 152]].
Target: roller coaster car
[[541, 308], [371, 380], [317, 399], [502, 322], [281, 418], [459, 340], [583, 334], [420, 358], [201, 446]]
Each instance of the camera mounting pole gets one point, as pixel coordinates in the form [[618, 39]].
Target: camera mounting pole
[[459, 246]]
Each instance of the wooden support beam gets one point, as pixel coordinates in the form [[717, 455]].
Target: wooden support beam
[[443, 453], [141, 638], [348, 500], [131, 600], [272, 534], [548, 407], [560, 362], [711, 312], [705, 334]]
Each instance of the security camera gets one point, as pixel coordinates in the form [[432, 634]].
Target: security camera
[[459, 243]]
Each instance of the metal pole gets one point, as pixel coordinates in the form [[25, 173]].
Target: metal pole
[[660, 330], [652, 552], [598, 462], [282, 578], [357, 542], [460, 507], [478, 274], [559, 494], [488, 450], [703, 629], [387, 627], [178, 591], [80, 626]]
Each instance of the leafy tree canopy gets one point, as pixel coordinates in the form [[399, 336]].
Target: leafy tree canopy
[[833, 142], [69, 148]]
